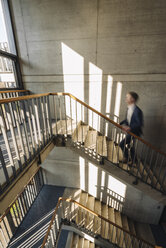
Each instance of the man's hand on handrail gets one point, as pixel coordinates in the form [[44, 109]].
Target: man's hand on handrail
[[126, 128]]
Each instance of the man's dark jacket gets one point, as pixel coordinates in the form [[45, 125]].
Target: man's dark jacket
[[136, 122]]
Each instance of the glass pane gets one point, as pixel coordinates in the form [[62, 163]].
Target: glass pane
[[6, 33], [7, 78], [4, 45]]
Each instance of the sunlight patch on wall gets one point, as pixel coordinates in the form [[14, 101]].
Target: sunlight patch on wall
[[95, 91], [117, 100], [116, 186], [73, 73], [93, 174], [108, 100], [82, 173], [109, 94]]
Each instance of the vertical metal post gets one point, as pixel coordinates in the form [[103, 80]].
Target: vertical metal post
[[4, 132]]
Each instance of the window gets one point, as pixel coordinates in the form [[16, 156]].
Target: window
[[10, 76]]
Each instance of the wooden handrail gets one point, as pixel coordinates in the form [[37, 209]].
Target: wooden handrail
[[17, 196], [21, 98], [13, 91], [114, 123], [92, 212]]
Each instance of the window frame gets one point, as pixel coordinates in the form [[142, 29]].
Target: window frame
[[12, 44]]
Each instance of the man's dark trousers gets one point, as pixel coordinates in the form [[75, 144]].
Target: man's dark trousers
[[127, 142]]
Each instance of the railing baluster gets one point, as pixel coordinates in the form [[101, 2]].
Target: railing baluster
[[36, 107], [3, 129], [71, 116], [13, 136], [30, 124], [44, 119], [55, 114], [65, 115], [25, 130], [4, 166], [48, 112]]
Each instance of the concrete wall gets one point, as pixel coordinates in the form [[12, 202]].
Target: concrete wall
[[64, 167], [57, 39]]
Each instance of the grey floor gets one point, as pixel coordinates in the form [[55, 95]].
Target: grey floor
[[32, 230]]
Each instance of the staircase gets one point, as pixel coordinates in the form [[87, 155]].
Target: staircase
[[140, 230], [29, 123], [100, 146]]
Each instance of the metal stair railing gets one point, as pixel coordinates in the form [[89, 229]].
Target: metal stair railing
[[25, 130], [13, 93], [148, 163], [70, 211], [28, 123], [16, 212]]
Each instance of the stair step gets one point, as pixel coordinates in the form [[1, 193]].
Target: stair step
[[80, 132], [81, 242], [101, 146], [63, 127], [104, 224], [143, 172], [97, 221], [131, 226], [111, 217], [91, 245], [75, 241], [73, 194], [125, 224], [69, 240], [120, 234], [83, 200], [112, 152], [144, 232], [86, 243], [90, 141], [90, 217]]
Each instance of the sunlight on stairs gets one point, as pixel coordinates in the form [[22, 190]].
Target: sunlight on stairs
[[141, 230], [97, 145]]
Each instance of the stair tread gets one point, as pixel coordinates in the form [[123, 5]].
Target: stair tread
[[120, 234], [104, 224], [111, 217], [101, 145], [80, 132], [75, 241], [90, 140], [97, 221], [91, 245], [112, 152], [60, 126], [131, 226], [143, 231], [83, 198], [69, 240], [90, 217], [83, 201], [86, 243], [125, 225], [81, 242]]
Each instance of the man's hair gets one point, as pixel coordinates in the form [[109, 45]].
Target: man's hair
[[134, 95]]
